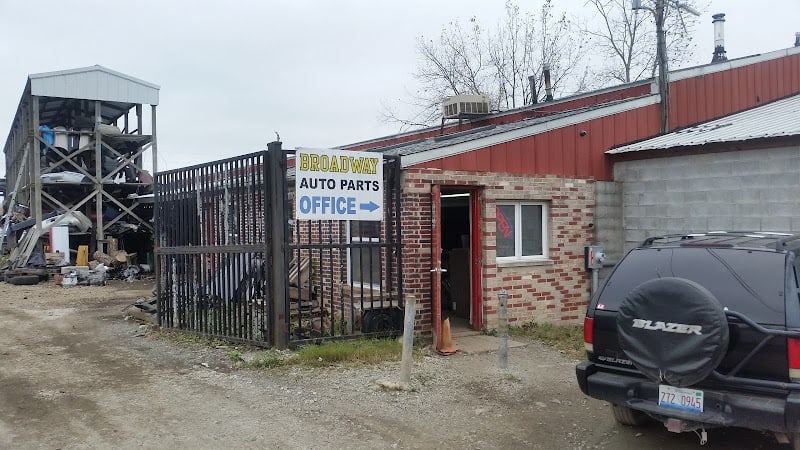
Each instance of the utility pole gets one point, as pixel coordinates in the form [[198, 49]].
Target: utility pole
[[663, 70], [659, 14]]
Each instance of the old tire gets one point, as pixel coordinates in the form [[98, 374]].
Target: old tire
[[23, 279], [673, 330], [41, 273], [628, 416]]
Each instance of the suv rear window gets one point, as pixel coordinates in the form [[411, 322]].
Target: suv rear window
[[752, 284]]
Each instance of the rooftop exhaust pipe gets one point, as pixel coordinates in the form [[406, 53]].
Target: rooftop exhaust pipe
[[719, 38], [797, 39], [532, 84], [547, 87]]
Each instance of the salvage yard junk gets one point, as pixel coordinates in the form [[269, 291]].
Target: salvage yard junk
[[75, 157], [237, 261]]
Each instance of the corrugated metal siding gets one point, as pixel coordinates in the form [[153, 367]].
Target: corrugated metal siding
[[780, 118], [94, 83], [707, 97], [540, 110], [562, 151], [693, 100], [697, 95]]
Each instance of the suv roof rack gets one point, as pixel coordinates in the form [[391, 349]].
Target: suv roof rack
[[741, 239]]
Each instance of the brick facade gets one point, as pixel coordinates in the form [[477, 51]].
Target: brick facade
[[554, 291]]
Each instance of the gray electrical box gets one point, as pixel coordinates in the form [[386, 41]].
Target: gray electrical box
[[594, 257]]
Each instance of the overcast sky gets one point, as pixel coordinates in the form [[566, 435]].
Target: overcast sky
[[232, 73]]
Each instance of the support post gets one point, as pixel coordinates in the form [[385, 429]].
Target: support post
[[139, 123], [98, 173], [154, 145], [408, 339], [502, 328], [278, 224], [36, 201]]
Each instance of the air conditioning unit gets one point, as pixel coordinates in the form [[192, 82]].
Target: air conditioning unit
[[465, 106]]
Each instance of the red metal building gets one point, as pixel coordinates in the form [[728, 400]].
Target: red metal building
[[543, 159]]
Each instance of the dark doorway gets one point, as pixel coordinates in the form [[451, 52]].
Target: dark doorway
[[457, 256]]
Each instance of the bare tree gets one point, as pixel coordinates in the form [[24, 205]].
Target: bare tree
[[626, 40], [496, 64], [519, 50]]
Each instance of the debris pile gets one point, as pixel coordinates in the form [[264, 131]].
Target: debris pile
[[143, 309], [43, 266]]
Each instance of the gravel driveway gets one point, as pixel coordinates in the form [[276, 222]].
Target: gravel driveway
[[74, 374]]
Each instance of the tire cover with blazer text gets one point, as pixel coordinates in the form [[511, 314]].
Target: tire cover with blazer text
[[673, 330]]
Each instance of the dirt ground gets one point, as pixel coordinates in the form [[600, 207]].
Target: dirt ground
[[75, 375]]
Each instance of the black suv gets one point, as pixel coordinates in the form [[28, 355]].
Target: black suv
[[700, 331]]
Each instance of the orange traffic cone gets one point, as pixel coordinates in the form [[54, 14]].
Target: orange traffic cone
[[447, 347]]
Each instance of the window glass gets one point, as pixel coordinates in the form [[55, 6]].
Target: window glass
[[532, 230], [371, 228], [505, 231], [365, 262], [521, 230]]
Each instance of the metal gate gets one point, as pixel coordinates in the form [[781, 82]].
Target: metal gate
[[232, 262], [212, 245], [345, 277]]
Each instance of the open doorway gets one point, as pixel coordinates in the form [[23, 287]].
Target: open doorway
[[460, 250]]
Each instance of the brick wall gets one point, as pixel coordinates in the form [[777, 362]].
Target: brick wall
[[555, 291]]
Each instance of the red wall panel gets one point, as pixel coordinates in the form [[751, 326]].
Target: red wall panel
[[555, 145], [514, 150], [563, 152]]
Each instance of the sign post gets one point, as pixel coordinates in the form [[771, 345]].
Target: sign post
[[338, 185]]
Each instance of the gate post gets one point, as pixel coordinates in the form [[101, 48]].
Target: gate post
[[278, 223]]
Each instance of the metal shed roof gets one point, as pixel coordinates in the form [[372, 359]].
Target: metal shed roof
[[427, 149], [94, 83], [63, 97], [780, 118]]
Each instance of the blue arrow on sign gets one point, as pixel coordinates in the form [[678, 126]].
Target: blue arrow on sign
[[371, 206]]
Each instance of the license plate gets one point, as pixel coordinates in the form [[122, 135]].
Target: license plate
[[686, 399]]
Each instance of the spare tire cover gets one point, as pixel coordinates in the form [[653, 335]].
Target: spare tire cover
[[673, 330]]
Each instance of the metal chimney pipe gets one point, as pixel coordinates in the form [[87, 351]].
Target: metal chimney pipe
[[797, 39], [532, 84], [547, 87], [719, 38]]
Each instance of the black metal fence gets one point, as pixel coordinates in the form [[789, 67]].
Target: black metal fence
[[233, 264], [212, 245], [349, 281]]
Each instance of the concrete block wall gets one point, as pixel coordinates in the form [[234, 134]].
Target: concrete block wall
[[608, 230], [756, 190], [556, 290]]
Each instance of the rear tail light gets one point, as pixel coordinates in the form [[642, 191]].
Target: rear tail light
[[794, 358], [588, 336]]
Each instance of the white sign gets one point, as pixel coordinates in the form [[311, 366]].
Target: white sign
[[338, 185]]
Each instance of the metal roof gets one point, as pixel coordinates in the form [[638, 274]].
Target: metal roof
[[94, 83], [413, 152], [63, 94], [780, 118]]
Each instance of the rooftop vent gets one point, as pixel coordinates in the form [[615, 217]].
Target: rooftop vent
[[719, 38], [465, 106]]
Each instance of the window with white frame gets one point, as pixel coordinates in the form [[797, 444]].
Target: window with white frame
[[365, 262], [521, 231]]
